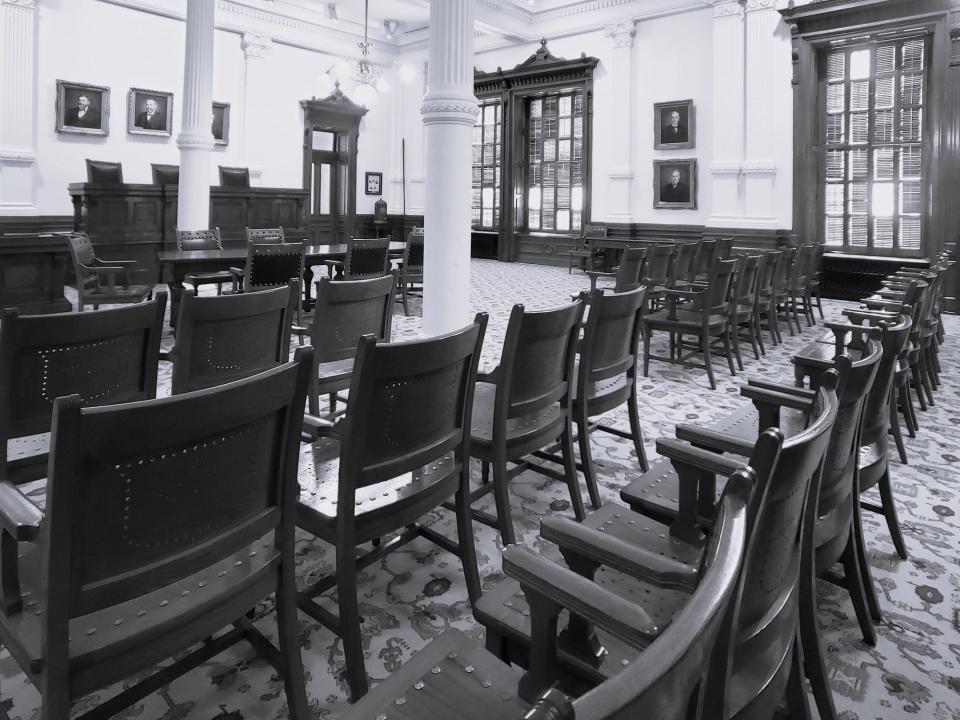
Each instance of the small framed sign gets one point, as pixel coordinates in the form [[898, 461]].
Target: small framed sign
[[374, 184]]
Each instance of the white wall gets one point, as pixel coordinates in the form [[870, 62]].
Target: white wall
[[104, 44]]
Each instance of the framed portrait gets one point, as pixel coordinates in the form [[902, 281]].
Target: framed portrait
[[674, 125], [149, 112], [374, 183], [220, 126], [675, 184], [83, 109]]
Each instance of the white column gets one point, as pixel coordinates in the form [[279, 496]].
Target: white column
[[763, 117], [620, 185], [18, 102], [195, 139], [255, 49], [728, 122], [449, 112]]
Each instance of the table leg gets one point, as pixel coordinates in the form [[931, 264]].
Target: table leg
[[175, 285], [307, 287]]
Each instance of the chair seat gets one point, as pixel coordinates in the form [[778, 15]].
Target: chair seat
[[519, 429], [687, 318], [200, 278], [317, 507], [452, 677], [99, 295], [335, 370], [111, 631], [27, 453]]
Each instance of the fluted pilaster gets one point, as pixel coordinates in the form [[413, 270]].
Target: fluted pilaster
[[255, 77], [195, 139], [620, 175], [449, 111], [18, 59]]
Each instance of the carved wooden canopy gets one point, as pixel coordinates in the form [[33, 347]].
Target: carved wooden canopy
[[541, 68]]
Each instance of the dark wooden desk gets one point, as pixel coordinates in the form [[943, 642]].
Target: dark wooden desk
[[182, 262], [32, 268]]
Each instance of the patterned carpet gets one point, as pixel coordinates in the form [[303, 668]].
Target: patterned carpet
[[413, 595]]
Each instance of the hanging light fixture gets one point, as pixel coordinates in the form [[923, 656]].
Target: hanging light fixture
[[370, 82]]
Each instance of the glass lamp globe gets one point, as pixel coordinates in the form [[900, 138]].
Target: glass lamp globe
[[365, 95]]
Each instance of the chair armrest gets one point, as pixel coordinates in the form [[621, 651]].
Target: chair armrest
[[19, 517], [492, 377], [788, 389], [871, 316], [115, 262], [610, 551], [778, 398], [315, 426], [167, 355], [713, 440], [881, 304], [683, 453], [110, 272], [891, 294], [600, 273], [557, 584]]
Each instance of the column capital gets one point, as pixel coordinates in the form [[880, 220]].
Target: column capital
[[760, 5], [255, 46], [26, 4], [727, 8], [622, 33], [460, 110]]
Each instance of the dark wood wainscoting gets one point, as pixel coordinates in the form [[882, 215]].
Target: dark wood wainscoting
[[33, 267], [397, 227], [851, 277]]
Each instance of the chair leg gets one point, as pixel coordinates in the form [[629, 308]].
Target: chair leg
[[890, 513], [798, 703], [403, 296], [586, 456], [501, 495], [819, 303], [705, 342], [758, 333], [570, 471], [925, 379], [468, 551], [726, 349], [288, 638], [854, 582], [814, 662], [918, 384], [635, 431], [870, 593], [895, 427], [647, 332], [350, 622], [734, 333], [332, 400], [906, 403]]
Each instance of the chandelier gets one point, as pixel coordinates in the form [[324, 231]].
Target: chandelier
[[369, 82]]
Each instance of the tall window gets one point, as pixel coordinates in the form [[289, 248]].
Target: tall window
[[554, 176], [486, 167], [873, 168]]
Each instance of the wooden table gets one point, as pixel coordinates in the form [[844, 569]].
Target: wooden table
[[181, 262]]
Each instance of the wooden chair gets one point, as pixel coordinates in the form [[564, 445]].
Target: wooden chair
[[798, 292], [584, 252], [765, 292], [203, 240], [345, 311], [454, 678], [744, 313], [365, 258], [102, 282], [274, 265], [234, 177], [814, 281], [105, 357], [606, 373], [226, 338], [101, 172], [166, 521], [524, 404], [724, 248], [706, 254], [627, 275], [683, 271], [165, 174], [410, 271], [705, 314], [657, 568], [403, 450], [264, 236], [658, 271]]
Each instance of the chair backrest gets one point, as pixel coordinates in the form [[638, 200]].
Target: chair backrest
[[143, 494], [81, 252], [763, 619], [816, 263], [165, 174], [784, 269], [630, 272], [234, 177], [366, 257], [748, 278], [264, 236], [410, 405], [611, 336], [684, 265], [659, 264], [345, 311], [537, 360], [413, 252], [223, 338], [665, 682], [724, 247], [104, 357], [768, 272], [806, 255], [272, 265], [715, 298], [199, 239], [104, 173], [705, 256]]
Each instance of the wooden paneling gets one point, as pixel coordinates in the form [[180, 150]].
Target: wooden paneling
[[851, 277], [32, 265], [134, 222]]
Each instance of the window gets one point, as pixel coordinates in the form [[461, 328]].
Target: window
[[873, 159], [554, 163], [485, 208]]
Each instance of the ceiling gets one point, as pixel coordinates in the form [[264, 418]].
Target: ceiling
[[497, 22]]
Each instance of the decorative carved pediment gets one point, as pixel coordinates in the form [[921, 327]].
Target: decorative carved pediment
[[336, 102], [541, 68]]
